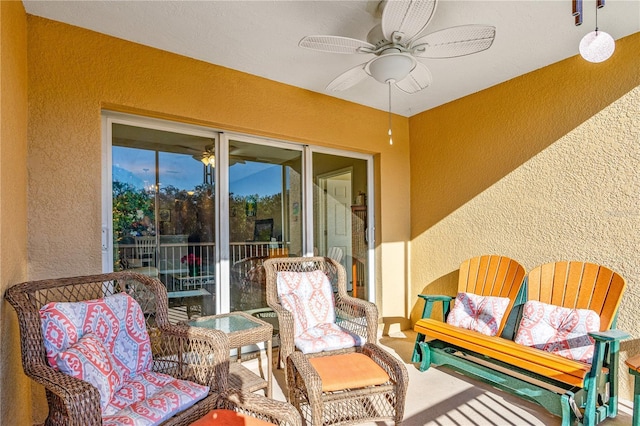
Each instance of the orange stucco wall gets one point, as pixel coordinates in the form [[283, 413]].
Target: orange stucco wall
[[15, 396], [541, 168], [74, 73]]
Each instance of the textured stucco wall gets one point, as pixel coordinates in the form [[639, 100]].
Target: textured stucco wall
[[547, 171], [15, 399]]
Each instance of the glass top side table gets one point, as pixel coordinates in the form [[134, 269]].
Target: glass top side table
[[243, 330]]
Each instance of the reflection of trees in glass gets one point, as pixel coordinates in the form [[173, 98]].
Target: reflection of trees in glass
[[132, 211], [192, 212], [267, 207]]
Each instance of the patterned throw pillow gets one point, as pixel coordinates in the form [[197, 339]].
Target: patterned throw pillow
[[559, 330], [478, 313], [117, 320], [90, 361], [309, 297]]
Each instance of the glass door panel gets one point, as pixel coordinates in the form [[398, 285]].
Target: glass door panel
[[340, 216], [163, 212], [265, 216]]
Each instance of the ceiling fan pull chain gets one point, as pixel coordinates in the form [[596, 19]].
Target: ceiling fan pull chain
[[390, 138]]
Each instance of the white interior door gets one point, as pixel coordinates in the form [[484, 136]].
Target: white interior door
[[338, 217]]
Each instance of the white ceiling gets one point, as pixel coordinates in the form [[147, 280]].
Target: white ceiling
[[261, 38]]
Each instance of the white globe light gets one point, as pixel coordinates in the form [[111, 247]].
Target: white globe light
[[597, 46], [392, 67]]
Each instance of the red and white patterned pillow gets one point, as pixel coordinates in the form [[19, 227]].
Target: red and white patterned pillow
[[90, 361], [478, 313], [308, 296], [559, 330], [117, 320]]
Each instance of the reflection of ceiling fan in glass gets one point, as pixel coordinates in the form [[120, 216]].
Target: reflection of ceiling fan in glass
[[208, 156]]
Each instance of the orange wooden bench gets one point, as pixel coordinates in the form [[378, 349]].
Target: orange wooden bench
[[574, 390]]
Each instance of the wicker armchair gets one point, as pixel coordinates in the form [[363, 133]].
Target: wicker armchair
[[326, 398], [189, 353]]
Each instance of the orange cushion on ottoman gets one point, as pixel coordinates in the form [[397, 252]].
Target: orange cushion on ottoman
[[228, 417], [348, 371]]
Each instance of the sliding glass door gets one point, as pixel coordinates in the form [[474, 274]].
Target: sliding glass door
[[201, 210], [265, 211], [163, 210]]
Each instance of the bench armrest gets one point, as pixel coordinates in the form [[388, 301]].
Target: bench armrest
[[430, 299], [609, 335]]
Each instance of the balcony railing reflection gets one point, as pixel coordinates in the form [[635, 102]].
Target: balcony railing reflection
[[171, 258]]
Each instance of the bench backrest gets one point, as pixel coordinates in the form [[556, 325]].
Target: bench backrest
[[492, 275], [578, 285]]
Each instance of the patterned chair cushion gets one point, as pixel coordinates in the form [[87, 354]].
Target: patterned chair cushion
[[478, 313], [326, 337], [151, 398], [90, 361], [64, 323], [562, 331], [308, 296]]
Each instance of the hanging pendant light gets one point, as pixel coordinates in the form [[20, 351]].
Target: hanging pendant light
[[597, 46]]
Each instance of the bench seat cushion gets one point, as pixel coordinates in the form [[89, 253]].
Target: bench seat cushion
[[563, 331], [531, 359], [151, 398]]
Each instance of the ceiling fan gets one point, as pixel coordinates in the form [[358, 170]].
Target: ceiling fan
[[395, 46]]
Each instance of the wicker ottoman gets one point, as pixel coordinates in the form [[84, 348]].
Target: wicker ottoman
[[347, 388]]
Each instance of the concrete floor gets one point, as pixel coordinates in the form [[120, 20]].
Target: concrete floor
[[442, 397]]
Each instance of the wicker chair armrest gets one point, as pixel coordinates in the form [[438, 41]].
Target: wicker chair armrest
[[358, 316], [286, 330], [277, 412], [394, 367], [80, 399], [302, 375], [202, 354]]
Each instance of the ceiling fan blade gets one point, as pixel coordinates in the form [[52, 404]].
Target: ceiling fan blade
[[455, 41], [402, 20], [336, 44], [348, 78], [419, 78]]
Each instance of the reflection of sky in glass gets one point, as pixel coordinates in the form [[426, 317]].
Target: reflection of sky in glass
[[137, 166], [255, 178]]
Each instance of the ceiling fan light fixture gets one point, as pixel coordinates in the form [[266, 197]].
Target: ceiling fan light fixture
[[391, 67], [597, 46]]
